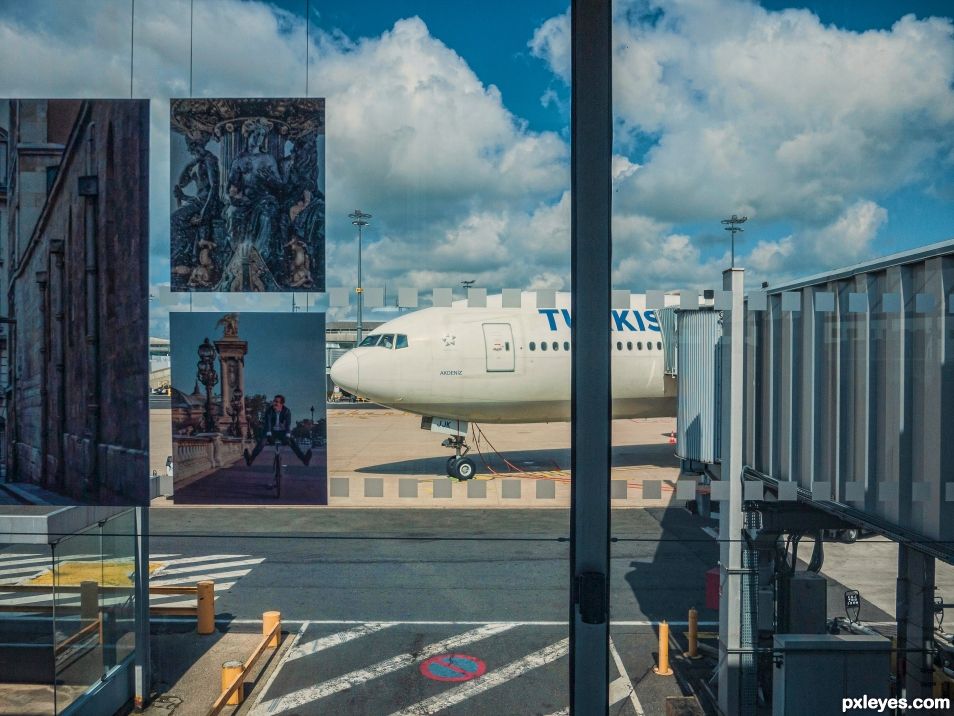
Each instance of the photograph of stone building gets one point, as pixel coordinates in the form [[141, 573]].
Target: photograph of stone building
[[74, 299], [247, 195], [248, 390]]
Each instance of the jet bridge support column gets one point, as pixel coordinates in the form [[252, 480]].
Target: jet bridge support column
[[731, 519], [915, 610]]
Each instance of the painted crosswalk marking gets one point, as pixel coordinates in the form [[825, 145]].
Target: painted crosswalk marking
[[449, 698], [301, 697], [174, 570], [332, 640], [622, 688]]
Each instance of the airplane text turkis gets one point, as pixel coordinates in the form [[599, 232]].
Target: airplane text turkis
[[623, 320]]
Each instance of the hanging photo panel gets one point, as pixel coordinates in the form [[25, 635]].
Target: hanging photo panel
[[247, 195]]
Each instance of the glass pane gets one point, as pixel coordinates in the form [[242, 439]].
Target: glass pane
[[78, 624], [117, 598], [26, 630], [412, 579], [807, 431]]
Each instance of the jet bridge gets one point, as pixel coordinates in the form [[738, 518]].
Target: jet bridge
[[846, 385]]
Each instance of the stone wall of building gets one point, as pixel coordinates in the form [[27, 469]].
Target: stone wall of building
[[78, 288]]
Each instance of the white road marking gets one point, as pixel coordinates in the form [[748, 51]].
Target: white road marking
[[561, 712], [488, 681], [344, 622], [278, 667], [332, 640], [162, 580], [624, 687], [297, 699], [179, 559], [224, 564]]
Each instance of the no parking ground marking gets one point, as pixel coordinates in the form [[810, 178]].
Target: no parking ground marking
[[453, 667]]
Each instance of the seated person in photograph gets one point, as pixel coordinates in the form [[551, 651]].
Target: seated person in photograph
[[277, 425]]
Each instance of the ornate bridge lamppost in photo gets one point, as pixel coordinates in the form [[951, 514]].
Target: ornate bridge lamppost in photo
[[208, 377]]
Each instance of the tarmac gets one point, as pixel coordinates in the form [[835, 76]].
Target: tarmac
[[379, 457]]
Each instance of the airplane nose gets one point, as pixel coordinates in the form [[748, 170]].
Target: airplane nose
[[344, 372]]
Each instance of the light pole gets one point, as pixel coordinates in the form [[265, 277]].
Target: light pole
[[359, 219], [733, 225]]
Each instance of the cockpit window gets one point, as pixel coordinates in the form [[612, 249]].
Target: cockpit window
[[369, 341], [401, 341], [387, 341]]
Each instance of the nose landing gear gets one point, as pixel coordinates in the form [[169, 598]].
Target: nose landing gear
[[459, 467]]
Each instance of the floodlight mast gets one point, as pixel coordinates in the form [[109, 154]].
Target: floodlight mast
[[359, 219], [734, 222]]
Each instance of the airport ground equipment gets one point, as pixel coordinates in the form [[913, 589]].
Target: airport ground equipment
[[814, 672]]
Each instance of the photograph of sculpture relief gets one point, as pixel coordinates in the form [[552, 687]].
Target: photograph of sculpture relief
[[248, 408], [248, 195]]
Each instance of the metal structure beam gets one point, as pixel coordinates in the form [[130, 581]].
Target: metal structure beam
[[591, 257], [731, 520], [915, 622]]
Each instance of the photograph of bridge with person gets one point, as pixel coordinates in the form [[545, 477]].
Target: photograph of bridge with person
[[248, 408]]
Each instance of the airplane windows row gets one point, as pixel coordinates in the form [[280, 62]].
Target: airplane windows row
[[385, 340], [555, 345], [639, 345]]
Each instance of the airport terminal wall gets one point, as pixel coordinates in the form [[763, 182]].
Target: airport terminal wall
[[849, 391]]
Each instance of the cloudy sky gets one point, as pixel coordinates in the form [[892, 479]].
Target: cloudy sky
[[830, 125]]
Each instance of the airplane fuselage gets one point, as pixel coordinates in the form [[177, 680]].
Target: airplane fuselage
[[503, 365]]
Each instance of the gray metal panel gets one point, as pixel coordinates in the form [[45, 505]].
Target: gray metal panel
[[699, 368], [862, 395], [667, 329]]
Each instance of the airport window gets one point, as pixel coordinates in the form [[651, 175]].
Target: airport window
[[401, 341], [533, 345]]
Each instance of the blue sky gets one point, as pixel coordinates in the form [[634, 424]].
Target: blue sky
[[285, 355], [829, 124]]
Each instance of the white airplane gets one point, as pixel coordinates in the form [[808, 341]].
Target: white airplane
[[460, 365]]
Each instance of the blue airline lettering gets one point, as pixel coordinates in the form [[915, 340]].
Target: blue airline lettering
[[623, 320], [652, 320], [550, 313]]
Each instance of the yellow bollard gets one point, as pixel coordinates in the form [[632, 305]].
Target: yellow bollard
[[269, 620], [230, 671], [205, 602], [89, 600], [693, 652], [663, 668]]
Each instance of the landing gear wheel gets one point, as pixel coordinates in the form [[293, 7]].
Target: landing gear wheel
[[450, 466], [464, 468], [849, 536]]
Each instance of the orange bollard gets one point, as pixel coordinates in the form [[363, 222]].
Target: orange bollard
[[205, 607], [230, 671], [663, 668], [269, 620], [693, 652]]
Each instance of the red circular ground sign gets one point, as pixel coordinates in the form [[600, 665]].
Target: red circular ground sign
[[453, 667]]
